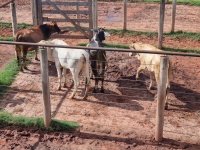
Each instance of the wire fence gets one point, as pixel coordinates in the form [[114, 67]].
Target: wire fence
[[141, 16], [145, 16], [127, 106]]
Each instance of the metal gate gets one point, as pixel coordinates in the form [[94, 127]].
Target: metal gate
[[73, 15]]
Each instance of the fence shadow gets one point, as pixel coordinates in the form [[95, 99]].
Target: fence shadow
[[136, 88], [130, 92], [190, 97], [166, 143]]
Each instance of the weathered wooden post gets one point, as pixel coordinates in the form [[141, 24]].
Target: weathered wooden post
[[161, 23], [95, 14], [14, 17], [173, 15], [77, 9], [34, 12], [45, 85], [125, 15], [161, 98], [90, 9]]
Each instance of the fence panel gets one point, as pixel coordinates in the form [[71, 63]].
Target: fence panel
[[126, 109]]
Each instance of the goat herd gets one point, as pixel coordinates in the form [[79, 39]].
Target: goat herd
[[80, 60]]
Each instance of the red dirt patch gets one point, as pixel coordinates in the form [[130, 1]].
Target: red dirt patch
[[123, 118]]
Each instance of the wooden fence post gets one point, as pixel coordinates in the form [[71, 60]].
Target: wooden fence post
[[161, 23], [90, 9], [39, 12], [14, 17], [77, 9], [34, 12], [45, 86], [161, 97], [125, 15], [173, 14], [95, 14]]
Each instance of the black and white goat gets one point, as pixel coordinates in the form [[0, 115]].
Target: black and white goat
[[98, 57]]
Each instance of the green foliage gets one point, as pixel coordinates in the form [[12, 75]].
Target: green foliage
[[7, 119]]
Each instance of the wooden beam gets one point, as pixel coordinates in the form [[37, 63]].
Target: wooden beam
[[161, 23], [173, 15], [14, 18], [68, 19], [125, 15], [45, 86], [161, 97]]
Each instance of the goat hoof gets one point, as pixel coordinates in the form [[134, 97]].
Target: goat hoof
[[71, 97], [59, 88], [37, 59], [94, 91], [85, 97], [65, 85], [166, 106], [22, 70], [102, 90], [25, 68]]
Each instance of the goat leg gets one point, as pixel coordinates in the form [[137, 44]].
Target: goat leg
[[36, 58], [96, 85], [102, 87]]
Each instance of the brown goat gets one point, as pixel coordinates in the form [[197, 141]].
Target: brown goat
[[34, 35]]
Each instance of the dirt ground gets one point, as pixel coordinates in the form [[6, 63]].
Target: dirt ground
[[122, 118]]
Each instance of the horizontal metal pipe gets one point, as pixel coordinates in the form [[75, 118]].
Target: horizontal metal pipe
[[100, 48]]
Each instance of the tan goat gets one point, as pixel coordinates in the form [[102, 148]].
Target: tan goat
[[152, 63]]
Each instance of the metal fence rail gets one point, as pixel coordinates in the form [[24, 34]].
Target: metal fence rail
[[123, 94]]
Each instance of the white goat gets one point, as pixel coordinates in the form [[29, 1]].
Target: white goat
[[76, 60], [152, 63]]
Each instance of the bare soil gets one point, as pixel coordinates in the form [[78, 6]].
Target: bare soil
[[122, 118]]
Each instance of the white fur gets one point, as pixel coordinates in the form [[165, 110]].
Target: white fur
[[76, 60]]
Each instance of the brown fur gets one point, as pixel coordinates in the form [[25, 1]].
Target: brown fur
[[34, 35]]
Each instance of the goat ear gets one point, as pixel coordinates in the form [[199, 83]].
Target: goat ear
[[106, 34]]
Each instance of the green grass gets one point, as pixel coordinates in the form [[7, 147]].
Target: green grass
[[7, 119], [188, 50], [192, 2], [125, 46], [20, 25], [7, 74], [176, 34], [6, 38]]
